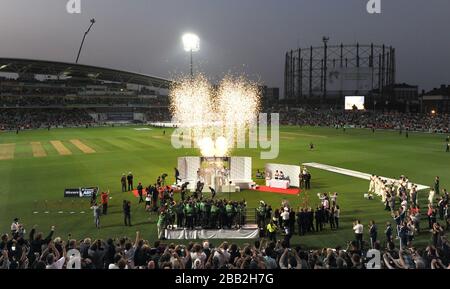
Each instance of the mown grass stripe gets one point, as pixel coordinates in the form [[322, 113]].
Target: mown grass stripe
[[82, 147], [38, 150], [60, 148], [7, 151]]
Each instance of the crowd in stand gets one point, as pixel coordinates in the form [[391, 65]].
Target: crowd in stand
[[45, 101], [21, 119], [18, 119], [304, 116], [158, 115], [364, 119]]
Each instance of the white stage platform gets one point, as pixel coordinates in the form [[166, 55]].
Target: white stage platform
[[239, 173], [291, 173], [246, 232], [279, 184]]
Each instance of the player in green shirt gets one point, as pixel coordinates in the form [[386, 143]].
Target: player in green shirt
[[189, 213], [214, 214], [161, 224]]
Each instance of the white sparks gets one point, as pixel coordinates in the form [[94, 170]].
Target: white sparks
[[212, 115]]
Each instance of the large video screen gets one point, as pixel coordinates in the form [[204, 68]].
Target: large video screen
[[354, 103]]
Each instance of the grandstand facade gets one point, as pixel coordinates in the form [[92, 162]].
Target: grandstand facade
[[98, 94]]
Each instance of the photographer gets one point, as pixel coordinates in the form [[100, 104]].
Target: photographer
[[290, 260], [183, 253], [222, 254]]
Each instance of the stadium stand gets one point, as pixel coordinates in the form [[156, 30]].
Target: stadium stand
[[363, 119], [36, 93]]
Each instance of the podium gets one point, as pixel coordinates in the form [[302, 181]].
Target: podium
[[278, 184]]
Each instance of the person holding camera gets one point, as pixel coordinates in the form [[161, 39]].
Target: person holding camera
[[290, 259]]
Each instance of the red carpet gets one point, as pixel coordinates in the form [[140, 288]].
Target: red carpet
[[135, 193], [293, 191]]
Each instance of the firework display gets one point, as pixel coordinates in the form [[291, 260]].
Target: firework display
[[213, 117]]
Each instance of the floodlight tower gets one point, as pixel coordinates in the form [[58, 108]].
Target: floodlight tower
[[84, 37], [325, 40], [191, 43]]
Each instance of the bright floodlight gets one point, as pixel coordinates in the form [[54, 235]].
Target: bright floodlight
[[191, 42]]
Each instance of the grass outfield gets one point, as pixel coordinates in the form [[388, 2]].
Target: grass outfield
[[34, 180]]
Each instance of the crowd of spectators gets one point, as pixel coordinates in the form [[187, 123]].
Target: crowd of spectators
[[59, 101], [158, 115], [19, 119], [34, 118], [363, 119], [273, 250], [304, 116], [34, 251]]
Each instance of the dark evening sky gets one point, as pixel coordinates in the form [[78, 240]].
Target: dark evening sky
[[238, 36]]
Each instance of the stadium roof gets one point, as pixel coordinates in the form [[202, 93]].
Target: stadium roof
[[44, 67]]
